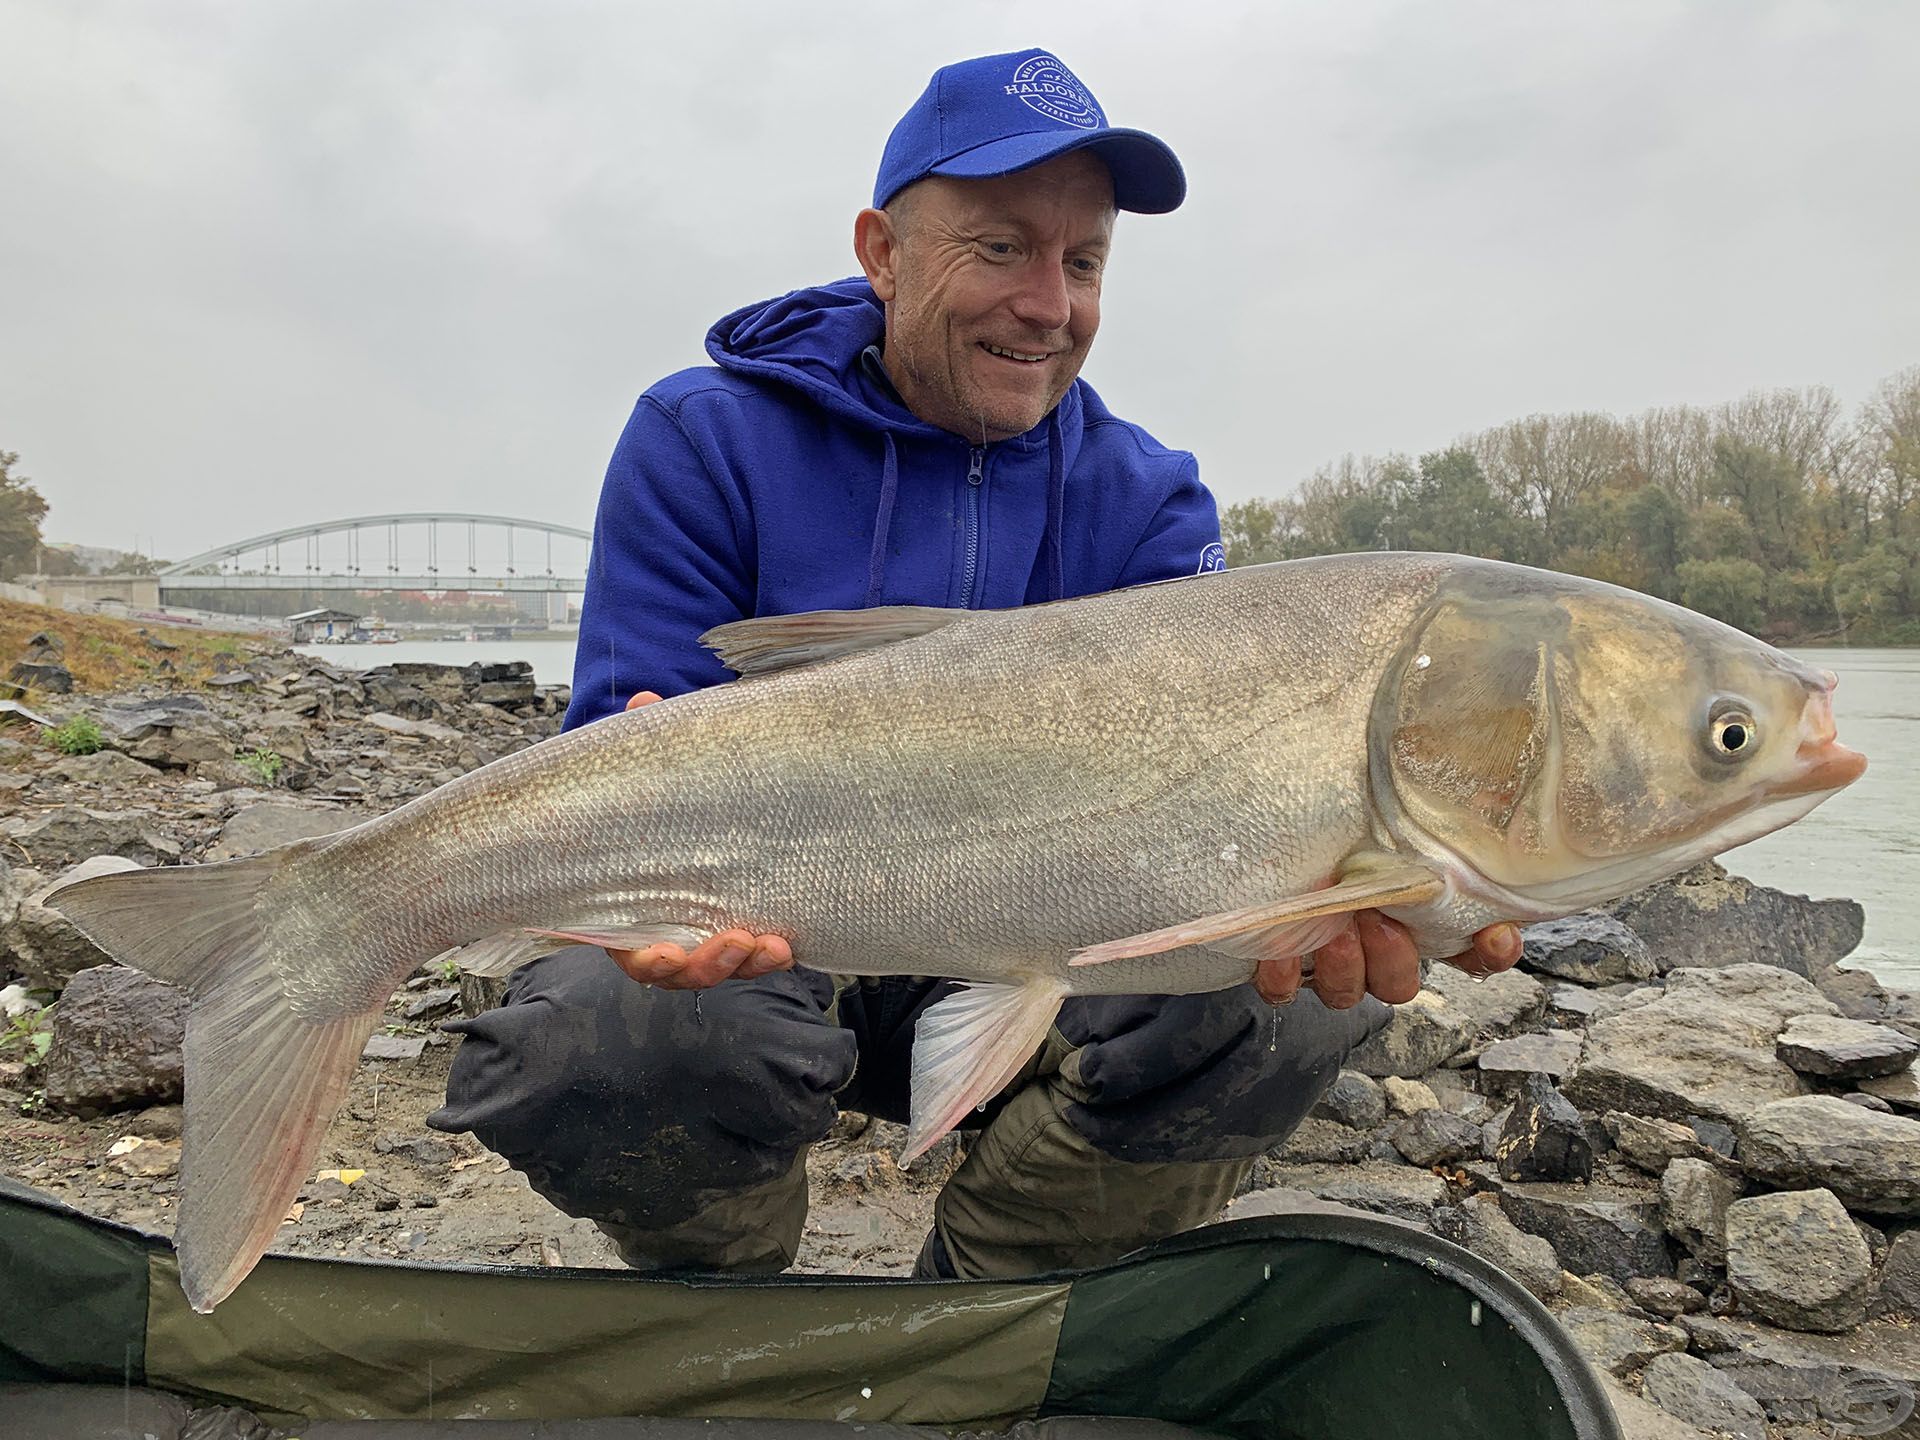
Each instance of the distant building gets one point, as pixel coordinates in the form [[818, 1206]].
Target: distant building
[[320, 625]]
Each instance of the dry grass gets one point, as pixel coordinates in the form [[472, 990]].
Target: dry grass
[[105, 654]]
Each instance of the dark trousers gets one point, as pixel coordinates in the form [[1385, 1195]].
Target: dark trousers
[[680, 1121]]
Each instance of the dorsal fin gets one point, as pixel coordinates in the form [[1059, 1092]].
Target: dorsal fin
[[783, 642]]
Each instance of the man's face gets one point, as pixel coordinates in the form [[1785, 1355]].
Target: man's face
[[992, 289]]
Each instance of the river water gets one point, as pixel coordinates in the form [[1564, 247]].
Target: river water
[[1863, 844]]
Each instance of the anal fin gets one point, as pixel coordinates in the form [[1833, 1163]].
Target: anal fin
[[966, 1049], [1291, 926]]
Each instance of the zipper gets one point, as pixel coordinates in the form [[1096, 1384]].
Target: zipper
[[976, 477]]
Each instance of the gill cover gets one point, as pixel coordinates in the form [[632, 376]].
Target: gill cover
[[1463, 728]]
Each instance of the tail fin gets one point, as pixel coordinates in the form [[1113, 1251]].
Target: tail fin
[[261, 1082]]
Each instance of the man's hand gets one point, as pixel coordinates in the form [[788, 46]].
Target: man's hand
[[1375, 956], [730, 955]]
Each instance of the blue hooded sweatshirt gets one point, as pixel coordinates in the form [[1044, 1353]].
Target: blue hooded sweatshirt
[[791, 477]]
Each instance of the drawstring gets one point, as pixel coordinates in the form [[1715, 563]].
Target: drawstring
[[1056, 508], [882, 522]]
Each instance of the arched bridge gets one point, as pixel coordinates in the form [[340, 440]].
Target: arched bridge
[[412, 551]]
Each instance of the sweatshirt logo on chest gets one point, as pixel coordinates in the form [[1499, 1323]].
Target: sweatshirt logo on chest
[[1042, 83]]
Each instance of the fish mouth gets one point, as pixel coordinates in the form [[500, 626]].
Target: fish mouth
[[1826, 765]]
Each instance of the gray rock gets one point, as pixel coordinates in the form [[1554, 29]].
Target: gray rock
[[46, 947], [73, 833], [1690, 1389], [1395, 1190], [393, 1047], [1408, 1097], [1319, 1141], [1493, 1006], [1834, 1047], [1666, 1298], [1544, 1138], [1571, 1005], [181, 746], [1902, 1091], [1808, 1379], [1436, 1137], [439, 997], [1704, 1047], [416, 727], [104, 767], [1422, 1035], [1552, 1053], [1354, 1099], [503, 692], [1857, 993], [1899, 1293], [269, 823], [1596, 1292], [1593, 1228], [116, 1042], [1795, 1259], [1482, 1226], [1619, 1343], [50, 679], [1694, 1197], [1655, 1144], [1590, 948], [1871, 1161], [1707, 917], [1868, 1102]]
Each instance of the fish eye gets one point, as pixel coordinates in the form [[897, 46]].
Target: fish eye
[[1734, 733]]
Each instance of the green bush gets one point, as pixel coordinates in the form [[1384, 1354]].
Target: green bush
[[264, 763], [78, 736]]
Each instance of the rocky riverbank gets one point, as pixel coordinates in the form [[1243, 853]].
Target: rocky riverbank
[[1679, 1124]]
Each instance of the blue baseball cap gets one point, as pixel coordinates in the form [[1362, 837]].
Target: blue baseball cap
[[1002, 113]]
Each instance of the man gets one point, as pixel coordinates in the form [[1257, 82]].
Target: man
[[916, 436]]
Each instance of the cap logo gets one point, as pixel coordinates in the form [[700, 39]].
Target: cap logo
[[1042, 83]]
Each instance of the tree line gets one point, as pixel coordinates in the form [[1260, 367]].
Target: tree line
[[1780, 513]]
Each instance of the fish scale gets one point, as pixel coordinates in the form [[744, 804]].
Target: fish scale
[[1148, 791]]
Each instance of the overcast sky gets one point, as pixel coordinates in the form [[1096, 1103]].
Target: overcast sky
[[276, 263]]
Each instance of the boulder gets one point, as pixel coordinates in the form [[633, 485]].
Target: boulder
[[1838, 1385], [1436, 1137], [1482, 1226], [1833, 1047], [1857, 993], [1552, 1053], [116, 1042], [1899, 1292], [1902, 1090], [1690, 1389], [1395, 1190], [1544, 1137], [1706, 917], [73, 833], [103, 767], [1619, 1343], [1493, 1005], [1320, 1141], [503, 692], [1666, 1298], [1571, 1005], [416, 728], [48, 678], [1354, 1099], [1591, 948], [1694, 1197], [393, 1047], [1408, 1097], [1423, 1034], [1593, 1228], [269, 823], [46, 947], [1704, 1047], [1794, 1258], [1654, 1144], [1870, 1161]]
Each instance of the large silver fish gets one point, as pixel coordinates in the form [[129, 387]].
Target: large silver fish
[[1139, 792]]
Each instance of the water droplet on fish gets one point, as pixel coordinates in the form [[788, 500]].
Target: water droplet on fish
[[1479, 977], [696, 1007], [1273, 1037], [866, 1391], [1266, 1271], [1420, 662], [1473, 1315]]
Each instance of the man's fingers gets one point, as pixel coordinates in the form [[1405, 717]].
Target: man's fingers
[[644, 697], [1393, 961], [1340, 970], [1278, 980], [732, 954], [1494, 949]]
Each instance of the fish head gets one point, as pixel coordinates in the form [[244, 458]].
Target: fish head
[[1566, 742]]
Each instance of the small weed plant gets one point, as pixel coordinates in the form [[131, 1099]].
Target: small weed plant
[[77, 736]]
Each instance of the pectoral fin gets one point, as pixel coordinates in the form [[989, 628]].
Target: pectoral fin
[[967, 1047], [1293, 926]]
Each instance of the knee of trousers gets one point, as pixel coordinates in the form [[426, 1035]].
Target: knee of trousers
[[1218, 1076], [630, 1103]]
